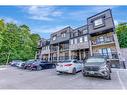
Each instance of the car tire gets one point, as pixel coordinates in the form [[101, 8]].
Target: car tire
[[108, 77], [84, 74], [74, 71], [59, 73], [39, 68]]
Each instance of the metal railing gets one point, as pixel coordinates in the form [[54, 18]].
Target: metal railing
[[111, 55], [105, 40]]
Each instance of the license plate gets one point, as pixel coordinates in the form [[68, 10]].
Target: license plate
[[91, 72]]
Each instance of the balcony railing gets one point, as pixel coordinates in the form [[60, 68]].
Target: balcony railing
[[64, 48], [111, 55], [54, 49], [63, 57], [105, 40]]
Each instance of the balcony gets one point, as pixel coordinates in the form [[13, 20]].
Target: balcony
[[111, 55], [103, 41], [54, 49], [64, 58], [64, 48]]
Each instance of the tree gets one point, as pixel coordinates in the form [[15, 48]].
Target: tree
[[121, 31], [18, 41]]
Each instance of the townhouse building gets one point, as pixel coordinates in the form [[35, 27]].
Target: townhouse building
[[97, 37]]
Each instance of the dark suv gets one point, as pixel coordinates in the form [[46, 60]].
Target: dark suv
[[97, 66]]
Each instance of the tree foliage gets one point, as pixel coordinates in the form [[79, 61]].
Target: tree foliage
[[18, 41], [121, 31]]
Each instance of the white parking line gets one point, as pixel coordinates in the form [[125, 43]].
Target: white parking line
[[2, 68], [77, 76], [120, 81]]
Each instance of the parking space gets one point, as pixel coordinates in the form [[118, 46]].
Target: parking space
[[13, 78]]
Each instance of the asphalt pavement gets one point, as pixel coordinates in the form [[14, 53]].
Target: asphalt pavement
[[14, 78]]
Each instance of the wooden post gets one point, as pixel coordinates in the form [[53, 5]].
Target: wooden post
[[8, 58]]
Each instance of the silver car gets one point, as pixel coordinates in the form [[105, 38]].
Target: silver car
[[97, 66]]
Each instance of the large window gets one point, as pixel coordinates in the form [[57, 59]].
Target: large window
[[75, 41], [98, 22], [85, 39], [81, 39], [105, 51], [85, 31], [54, 38], [63, 34], [71, 41]]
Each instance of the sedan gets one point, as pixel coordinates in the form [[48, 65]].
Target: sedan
[[15, 63], [69, 66], [40, 65], [28, 64]]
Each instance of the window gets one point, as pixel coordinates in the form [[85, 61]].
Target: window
[[75, 34], [105, 51], [75, 40], [85, 39], [80, 32], [71, 41], [81, 40], [63, 34], [84, 31], [98, 22], [101, 39], [54, 38]]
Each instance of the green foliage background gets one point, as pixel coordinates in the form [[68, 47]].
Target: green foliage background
[[121, 31], [17, 41]]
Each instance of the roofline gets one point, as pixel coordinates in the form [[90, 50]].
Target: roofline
[[99, 13], [80, 27], [61, 30]]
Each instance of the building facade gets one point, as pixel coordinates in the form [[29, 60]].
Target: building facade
[[98, 37]]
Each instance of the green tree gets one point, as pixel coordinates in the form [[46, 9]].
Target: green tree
[[18, 41], [121, 31]]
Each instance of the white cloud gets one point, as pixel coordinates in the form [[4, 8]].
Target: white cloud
[[46, 13], [47, 30], [9, 19], [89, 11], [116, 22]]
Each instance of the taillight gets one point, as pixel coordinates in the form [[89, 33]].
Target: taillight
[[68, 65]]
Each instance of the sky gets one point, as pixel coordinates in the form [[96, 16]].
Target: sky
[[45, 20]]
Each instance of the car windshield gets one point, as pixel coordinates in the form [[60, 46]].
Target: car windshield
[[66, 61], [95, 60]]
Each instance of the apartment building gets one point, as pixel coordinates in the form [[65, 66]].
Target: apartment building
[[98, 37]]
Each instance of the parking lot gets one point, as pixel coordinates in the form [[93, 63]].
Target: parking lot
[[14, 78]]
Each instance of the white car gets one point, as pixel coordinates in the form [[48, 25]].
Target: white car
[[69, 66]]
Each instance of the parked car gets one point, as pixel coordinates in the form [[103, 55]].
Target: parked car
[[21, 64], [97, 66], [15, 63], [69, 66], [41, 64], [28, 64]]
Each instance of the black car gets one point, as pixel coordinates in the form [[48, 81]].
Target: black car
[[28, 64], [40, 65], [97, 66]]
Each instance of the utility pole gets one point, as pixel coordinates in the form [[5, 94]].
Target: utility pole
[[8, 58]]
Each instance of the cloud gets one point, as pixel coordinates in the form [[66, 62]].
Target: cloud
[[87, 11], [44, 13], [116, 22], [42, 30], [10, 20]]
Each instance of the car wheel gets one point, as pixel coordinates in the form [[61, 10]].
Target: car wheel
[[108, 77], [74, 71], [59, 73], [39, 68], [84, 74]]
